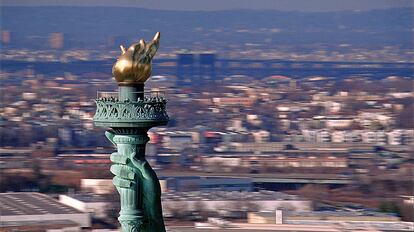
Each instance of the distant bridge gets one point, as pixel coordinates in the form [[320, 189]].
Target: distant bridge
[[226, 67], [260, 68]]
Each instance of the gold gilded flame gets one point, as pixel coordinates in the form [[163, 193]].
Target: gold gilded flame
[[134, 64]]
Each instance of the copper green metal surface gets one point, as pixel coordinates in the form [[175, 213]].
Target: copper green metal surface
[[116, 113], [137, 184], [130, 115]]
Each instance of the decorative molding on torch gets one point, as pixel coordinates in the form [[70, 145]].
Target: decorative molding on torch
[[131, 226], [149, 110], [131, 139]]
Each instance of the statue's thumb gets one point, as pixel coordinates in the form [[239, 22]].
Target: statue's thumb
[[140, 165]]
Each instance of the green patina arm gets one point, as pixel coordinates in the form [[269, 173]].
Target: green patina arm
[[130, 115], [151, 197], [129, 172]]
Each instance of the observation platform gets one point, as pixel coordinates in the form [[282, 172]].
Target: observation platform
[[138, 109]]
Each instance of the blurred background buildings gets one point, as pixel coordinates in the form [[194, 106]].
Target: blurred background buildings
[[287, 121]]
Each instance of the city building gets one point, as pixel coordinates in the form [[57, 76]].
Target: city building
[[312, 217], [95, 205], [5, 37], [231, 203], [177, 140], [195, 68], [343, 220], [22, 209], [97, 186], [56, 40]]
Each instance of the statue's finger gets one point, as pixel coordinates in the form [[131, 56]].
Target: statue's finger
[[119, 159], [122, 183], [123, 171]]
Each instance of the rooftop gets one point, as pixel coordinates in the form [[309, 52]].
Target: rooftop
[[331, 213], [90, 198], [31, 203], [43, 224]]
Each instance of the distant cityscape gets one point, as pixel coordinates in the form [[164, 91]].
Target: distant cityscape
[[312, 136]]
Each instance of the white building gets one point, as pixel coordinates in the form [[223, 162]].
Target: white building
[[309, 135], [353, 136], [366, 119], [374, 137], [211, 163], [97, 186], [177, 140], [31, 208], [395, 137], [95, 205], [226, 201], [323, 136], [261, 136], [332, 107], [341, 220], [337, 122], [338, 136]]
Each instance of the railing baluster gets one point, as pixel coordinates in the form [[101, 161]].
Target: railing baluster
[[147, 95]]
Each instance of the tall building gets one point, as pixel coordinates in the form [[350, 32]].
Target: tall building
[[195, 68], [56, 40], [185, 69], [207, 67], [5, 37]]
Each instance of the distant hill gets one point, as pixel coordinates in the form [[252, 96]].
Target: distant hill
[[94, 26]]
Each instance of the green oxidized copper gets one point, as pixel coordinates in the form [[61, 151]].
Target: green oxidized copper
[[113, 112], [130, 115]]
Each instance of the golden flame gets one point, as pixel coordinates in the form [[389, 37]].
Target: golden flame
[[134, 64]]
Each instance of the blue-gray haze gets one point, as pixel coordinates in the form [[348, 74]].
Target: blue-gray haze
[[89, 26], [290, 5]]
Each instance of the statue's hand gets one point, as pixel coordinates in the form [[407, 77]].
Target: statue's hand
[[125, 176], [130, 171], [142, 165]]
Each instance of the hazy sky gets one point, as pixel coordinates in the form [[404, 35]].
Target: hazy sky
[[290, 5]]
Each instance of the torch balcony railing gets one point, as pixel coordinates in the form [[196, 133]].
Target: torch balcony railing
[[149, 107], [147, 96]]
